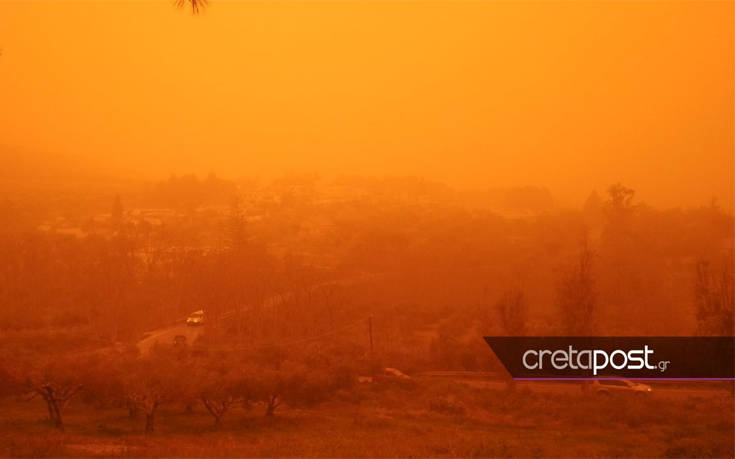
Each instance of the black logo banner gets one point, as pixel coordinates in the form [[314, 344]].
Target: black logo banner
[[576, 357]]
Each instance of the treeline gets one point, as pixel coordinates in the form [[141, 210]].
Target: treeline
[[266, 377], [426, 270]]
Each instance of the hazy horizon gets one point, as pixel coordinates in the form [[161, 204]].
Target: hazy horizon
[[554, 97]]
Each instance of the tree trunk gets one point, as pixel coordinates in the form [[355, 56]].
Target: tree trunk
[[54, 414], [149, 422], [132, 410], [58, 423], [150, 415], [50, 409], [272, 404], [216, 410]]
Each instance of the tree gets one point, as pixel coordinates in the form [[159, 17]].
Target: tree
[[116, 214], [291, 385], [196, 5], [576, 294], [236, 224], [56, 381], [513, 312], [149, 383], [714, 299], [273, 380], [593, 209], [219, 386], [620, 200]]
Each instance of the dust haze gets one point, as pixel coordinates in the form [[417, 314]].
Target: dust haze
[[258, 229], [567, 97]]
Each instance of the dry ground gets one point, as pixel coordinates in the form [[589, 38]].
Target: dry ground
[[431, 418]]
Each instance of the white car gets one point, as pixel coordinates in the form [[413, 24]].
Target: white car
[[195, 318], [619, 386]]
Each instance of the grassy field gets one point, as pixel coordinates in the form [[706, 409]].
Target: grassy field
[[431, 418]]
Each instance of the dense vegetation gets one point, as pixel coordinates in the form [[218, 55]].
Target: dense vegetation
[[309, 285]]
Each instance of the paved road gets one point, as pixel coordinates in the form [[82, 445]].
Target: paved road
[[573, 387], [478, 379], [166, 336]]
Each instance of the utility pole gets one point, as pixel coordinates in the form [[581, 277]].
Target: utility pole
[[370, 332]]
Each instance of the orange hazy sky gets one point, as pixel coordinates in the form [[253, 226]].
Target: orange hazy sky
[[568, 95]]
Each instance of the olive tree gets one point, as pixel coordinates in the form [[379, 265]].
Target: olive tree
[[57, 381], [150, 382]]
